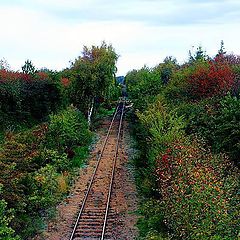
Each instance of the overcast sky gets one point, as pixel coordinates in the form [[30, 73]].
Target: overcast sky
[[53, 32]]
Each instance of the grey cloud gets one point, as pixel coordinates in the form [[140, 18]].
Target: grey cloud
[[151, 12]]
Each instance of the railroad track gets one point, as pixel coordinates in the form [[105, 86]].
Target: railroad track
[[95, 219]]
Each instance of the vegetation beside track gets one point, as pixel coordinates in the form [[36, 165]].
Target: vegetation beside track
[[186, 123], [45, 125]]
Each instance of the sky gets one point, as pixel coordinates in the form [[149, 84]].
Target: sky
[[51, 33]]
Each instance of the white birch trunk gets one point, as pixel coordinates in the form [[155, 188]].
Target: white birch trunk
[[90, 111]]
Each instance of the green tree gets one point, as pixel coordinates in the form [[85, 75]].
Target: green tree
[[143, 86], [28, 67], [167, 68], [92, 74], [199, 55], [221, 51]]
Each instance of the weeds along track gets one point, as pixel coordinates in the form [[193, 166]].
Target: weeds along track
[[96, 217]]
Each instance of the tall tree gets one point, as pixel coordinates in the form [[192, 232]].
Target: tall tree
[[93, 73]]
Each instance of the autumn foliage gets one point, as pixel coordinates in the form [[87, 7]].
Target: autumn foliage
[[188, 135], [195, 191], [211, 79]]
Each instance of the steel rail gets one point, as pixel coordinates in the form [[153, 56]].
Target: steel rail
[[112, 176], [94, 173]]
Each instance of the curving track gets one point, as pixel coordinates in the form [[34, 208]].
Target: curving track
[[95, 218]]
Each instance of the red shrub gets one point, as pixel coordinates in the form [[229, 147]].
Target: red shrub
[[42, 75], [65, 82], [214, 78], [198, 191], [14, 76]]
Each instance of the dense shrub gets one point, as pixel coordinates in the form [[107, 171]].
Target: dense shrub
[[197, 191], [6, 216], [152, 225], [26, 96], [219, 125], [36, 168], [194, 187], [40, 98], [143, 86], [68, 128], [210, 79], [38, 160]]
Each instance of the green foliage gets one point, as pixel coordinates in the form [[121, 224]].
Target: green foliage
[[36, 174], [218, 123], [6, 216], [197, 190], [25, 98], [44, 188], [195, 187], [113, 92], [40, 98], [59, 161], [152, 221], [164, 126], [167, 69], [67, 129], [143, 86], [81, 154], [93, 76], [38, 162], [176, 91], [199, 55]]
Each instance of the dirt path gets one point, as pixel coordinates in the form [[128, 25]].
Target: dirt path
[[124, 198]]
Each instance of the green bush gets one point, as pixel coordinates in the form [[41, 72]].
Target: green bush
[[163, 126], [197, 191], [24, 97], [81, 154], [36, 175], [152, 221], [68, 129], [6, 216], [218, 122], [44, 188], [53, 157], [40, 97], [143, 86]]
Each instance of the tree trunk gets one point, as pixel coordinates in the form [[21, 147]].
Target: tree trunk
[[90, 111]]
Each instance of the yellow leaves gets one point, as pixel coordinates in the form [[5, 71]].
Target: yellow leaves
[[40, 179], [62, 183]]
